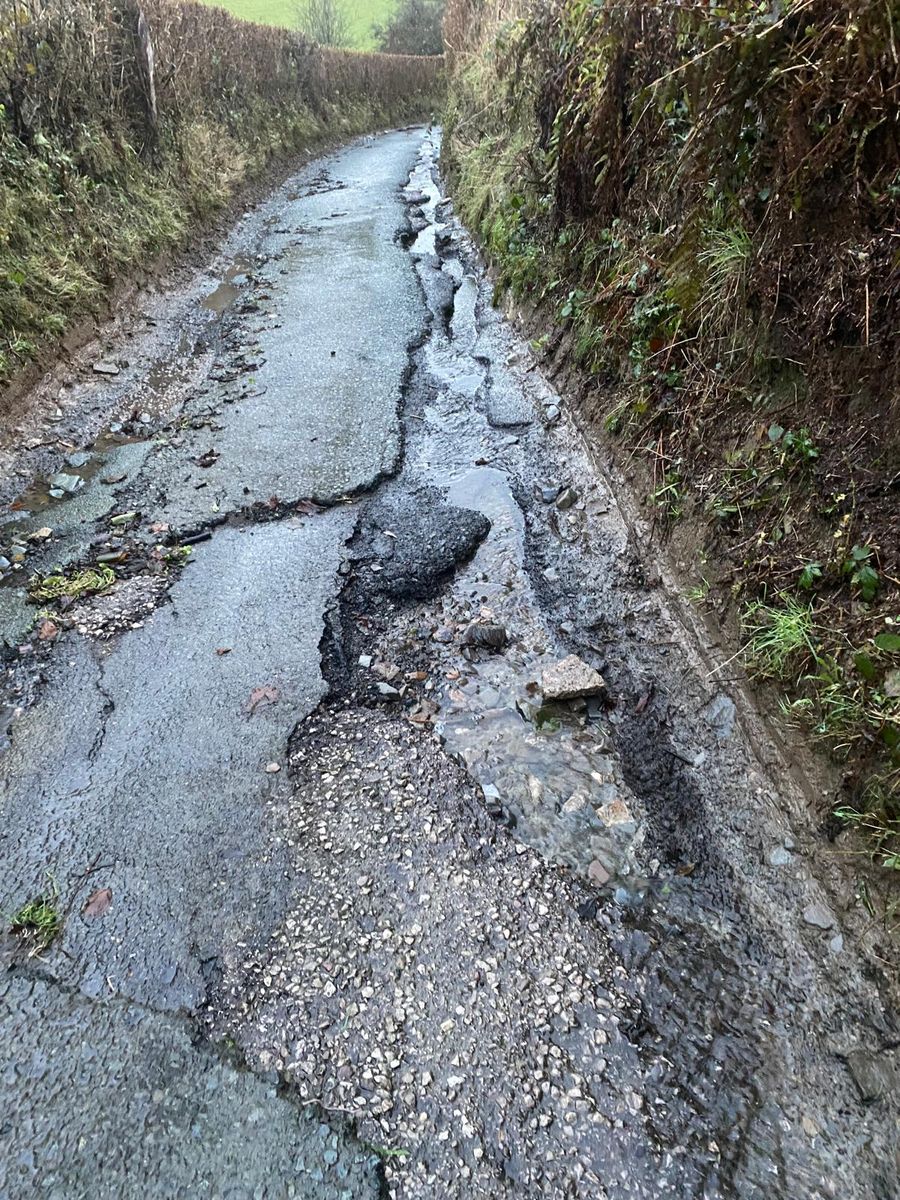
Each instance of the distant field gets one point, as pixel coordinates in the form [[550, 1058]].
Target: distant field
[[281, 12]]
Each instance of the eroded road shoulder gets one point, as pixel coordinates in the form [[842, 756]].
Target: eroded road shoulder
[[340, 884]]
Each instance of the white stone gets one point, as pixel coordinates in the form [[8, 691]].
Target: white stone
[[571, 679]]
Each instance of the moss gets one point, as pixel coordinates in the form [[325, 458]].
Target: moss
[[81, 583], [39, 921]]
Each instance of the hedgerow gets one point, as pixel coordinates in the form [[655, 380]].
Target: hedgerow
[[123, 125]]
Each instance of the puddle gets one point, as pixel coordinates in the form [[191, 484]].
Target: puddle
[[456, 373], [546, 765], [463, 328], [78, 470], [171, 371], [63, 503], [235, 279], [422, 184]]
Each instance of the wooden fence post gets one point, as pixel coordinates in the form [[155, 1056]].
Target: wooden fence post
[[146, 65]]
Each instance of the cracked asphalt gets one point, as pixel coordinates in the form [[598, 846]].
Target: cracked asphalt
[[346, 908]]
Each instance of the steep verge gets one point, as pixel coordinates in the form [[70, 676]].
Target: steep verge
[[123, 125], [699, 205]]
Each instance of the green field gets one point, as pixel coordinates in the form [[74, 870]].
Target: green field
[[281, 12]]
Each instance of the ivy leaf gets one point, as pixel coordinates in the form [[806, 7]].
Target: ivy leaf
[[810, 575], [866, 579], [865, 666]]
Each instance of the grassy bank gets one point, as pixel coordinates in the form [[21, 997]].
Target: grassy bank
[[124, 127], [702, 205]]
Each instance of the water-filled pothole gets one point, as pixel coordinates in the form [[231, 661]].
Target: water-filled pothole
[[234, 280], [59, 504]]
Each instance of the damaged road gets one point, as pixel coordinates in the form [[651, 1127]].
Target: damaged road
[[380, 915]]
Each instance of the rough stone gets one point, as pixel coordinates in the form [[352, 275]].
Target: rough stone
[[67, 483], [818, 916], [571, 679], [875, 1072], [598, 874], [779, 857]]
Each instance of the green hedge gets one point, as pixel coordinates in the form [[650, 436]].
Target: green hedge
[[122, 125]]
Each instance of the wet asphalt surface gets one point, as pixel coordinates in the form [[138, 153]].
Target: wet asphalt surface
[[347, 908]]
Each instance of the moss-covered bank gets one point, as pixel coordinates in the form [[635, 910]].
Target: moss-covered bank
[[701, 203]]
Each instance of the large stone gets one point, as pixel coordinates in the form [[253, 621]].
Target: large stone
[[571, 679], [818, 916], [875, 1072]]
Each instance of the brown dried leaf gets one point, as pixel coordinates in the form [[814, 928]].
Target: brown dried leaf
[[262, 695], [97, 902], [643, 702]]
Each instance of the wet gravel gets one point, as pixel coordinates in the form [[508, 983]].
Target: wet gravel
[[434, 980]]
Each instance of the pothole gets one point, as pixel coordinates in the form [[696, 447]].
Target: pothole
[[234, 280]]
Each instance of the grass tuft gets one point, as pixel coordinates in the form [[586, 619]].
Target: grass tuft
[[781, 638], [38, 922]]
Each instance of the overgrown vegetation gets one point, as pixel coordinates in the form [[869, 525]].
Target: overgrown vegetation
[[124, 126], [414, 27], [706, 200]]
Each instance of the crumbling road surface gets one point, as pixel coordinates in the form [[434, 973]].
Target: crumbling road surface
[[321, 877]]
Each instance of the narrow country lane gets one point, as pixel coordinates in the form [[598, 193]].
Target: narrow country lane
[[350, 905]]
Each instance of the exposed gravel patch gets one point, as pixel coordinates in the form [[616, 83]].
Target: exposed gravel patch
[[432, 978], [124, 606]]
